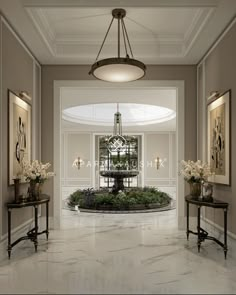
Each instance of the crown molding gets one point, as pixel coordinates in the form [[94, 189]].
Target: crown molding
[[218, 40], [41, 23], [119, 3], [4, 21], [83, 47], [198, 24]]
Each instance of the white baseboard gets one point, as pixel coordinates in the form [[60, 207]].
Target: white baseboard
[[16, 233], [20, 231], [218, 232], [215, 227]]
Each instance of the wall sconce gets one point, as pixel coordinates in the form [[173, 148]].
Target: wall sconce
[[77, 163], [25, 94], [213, 94], [157, 161]]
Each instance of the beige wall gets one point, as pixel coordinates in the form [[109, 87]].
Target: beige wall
[[18, 70], [220, 74], [51, 73], [162, 145], [76, 144]]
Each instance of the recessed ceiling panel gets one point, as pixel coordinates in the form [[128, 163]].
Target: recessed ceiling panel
[[132, 114], [154, 32], [161, 32]]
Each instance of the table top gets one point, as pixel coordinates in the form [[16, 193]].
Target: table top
[[42, 199], [214, 203]]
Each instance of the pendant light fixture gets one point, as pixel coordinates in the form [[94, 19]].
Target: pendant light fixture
[[118, 69], [117, 123], [117, 142]]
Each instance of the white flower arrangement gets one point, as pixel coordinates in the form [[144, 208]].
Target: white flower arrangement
[[36, 171], [195, 171]]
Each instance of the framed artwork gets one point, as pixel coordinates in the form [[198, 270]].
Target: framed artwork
[[218, 113], [19, 135]]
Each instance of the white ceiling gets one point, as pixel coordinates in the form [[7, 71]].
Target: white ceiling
[[132, 114], [160, 31], [77, 96]]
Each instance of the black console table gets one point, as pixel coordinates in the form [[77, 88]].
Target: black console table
[[201, 233], [33, 233]]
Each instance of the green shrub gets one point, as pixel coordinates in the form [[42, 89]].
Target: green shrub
[[75, 198], [103, 199], [94, 199]]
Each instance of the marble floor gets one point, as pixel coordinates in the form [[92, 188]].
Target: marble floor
[[116, 253]]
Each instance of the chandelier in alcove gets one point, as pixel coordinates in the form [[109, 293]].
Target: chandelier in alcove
[[117, 142]]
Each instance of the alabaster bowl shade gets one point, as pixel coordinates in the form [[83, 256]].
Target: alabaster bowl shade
[[118, 70]]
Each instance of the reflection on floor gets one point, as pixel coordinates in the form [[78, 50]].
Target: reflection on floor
[[107, 253]]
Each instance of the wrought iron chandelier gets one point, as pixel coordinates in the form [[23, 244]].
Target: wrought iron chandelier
[[117, 142], [118, 69]]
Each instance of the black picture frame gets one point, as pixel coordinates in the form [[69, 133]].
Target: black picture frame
[[19, 135], [219, 138]]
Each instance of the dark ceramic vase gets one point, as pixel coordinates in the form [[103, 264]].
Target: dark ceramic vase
[[195, 189], [16, 188], [34, 190]]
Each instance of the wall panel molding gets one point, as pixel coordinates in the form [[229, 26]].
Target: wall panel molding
[[217, 72], [219, 39], [4, 20], [22, 62], [1, 125]]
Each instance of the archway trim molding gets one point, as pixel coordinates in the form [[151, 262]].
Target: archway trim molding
[[178, 85]]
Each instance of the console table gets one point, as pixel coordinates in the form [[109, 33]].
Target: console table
[[33, 233], [201, 233]]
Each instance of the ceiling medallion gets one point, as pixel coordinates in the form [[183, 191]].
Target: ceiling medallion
[[118, 69]]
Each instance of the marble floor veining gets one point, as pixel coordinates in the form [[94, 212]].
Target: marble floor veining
[[118, 253]]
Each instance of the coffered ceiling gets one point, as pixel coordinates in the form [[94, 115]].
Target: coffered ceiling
[[160, 32]]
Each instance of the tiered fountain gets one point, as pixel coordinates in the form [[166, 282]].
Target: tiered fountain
[[117, 143], [119, 176]]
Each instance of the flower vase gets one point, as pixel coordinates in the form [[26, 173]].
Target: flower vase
[[34, 190], [195, 189], [16, 188]]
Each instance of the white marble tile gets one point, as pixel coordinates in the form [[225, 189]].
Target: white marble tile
[[107, 254]]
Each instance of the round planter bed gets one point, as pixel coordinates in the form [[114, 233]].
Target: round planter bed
[[123, 202]]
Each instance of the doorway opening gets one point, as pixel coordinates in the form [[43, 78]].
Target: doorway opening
[[73, 139]]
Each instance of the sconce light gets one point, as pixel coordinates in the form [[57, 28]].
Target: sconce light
[[157, 161], [213, 94], [25, 94], [77, 162]]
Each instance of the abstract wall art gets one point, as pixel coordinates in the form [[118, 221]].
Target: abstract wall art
[[19, 135], [219, 138]]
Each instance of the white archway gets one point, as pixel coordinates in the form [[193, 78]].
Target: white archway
[[154, 84]]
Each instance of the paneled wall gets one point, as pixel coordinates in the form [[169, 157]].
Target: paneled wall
[[19, 71], [74, 145], [217, 72], [161, 144]]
